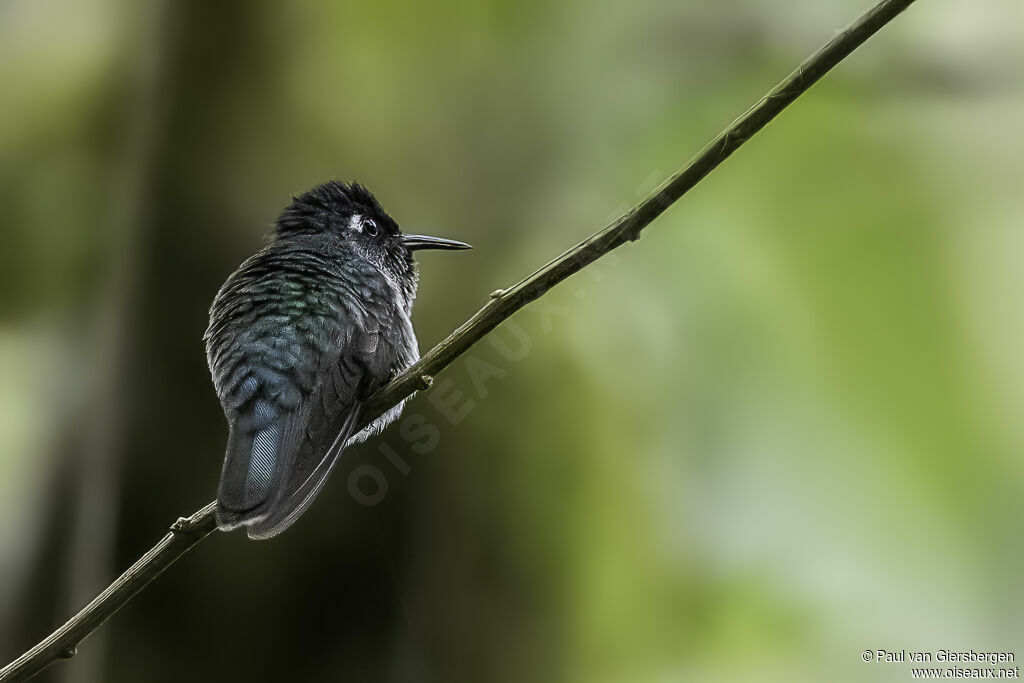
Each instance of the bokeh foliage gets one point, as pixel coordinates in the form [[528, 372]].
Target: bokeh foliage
[[779, 430]]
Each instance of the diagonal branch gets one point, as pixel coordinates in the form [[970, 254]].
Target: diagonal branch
[[187, 532]]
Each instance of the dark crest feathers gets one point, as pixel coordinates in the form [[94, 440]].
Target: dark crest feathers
[[315, 210]]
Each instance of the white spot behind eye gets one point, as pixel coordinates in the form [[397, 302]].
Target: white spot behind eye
[[355, 222]]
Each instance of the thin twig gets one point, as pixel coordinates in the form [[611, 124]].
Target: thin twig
[[63, 643], [186, 533]]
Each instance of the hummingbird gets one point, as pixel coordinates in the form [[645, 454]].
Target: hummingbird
[[300, 336]]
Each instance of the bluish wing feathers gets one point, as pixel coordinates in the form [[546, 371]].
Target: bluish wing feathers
[[296, 343], [279, 456]]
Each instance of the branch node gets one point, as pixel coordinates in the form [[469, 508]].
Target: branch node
[[633, 227], [628, 228]]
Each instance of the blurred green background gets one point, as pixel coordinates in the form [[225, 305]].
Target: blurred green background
[[782, 428]]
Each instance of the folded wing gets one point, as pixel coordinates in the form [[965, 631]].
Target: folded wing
[[284, 439]]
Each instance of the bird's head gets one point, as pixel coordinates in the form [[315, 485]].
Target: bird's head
[[349, 212]]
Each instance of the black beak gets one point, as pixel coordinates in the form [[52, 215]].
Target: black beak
[[414, 242]]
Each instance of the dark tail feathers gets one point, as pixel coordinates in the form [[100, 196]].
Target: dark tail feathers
[[251, 466]]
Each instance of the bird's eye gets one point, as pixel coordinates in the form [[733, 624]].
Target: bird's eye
[[370, 227]]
